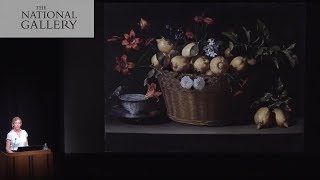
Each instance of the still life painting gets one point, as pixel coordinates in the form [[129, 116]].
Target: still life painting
[[206, 65]]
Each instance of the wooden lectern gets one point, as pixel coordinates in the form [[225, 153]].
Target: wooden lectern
[[28, 163]]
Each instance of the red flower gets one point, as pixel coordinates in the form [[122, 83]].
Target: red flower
[[123, 65], [131, 41], [114, 38], [149, 40], [238, 93], [152, 92], [144, 24], [208, 20], [189, 34], [198, 19]]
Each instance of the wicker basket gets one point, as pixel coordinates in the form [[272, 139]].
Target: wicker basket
[[206, 107]]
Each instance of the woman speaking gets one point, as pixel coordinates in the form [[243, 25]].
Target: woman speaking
[[17, 137]]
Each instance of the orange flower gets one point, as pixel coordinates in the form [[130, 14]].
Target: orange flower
[[189, 34], [123, 65], [198, 19], [208, 20], [144, 24], [131, 41], [152, 92]]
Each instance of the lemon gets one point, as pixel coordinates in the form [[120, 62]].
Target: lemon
[[164, 45], [263, 118], [189, 50], [282, 117], [219, 65], [156, 64], [180, 64], [201, 64], [238, 63]]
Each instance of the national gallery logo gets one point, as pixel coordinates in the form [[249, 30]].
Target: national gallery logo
[[47, 18], [42, 18]]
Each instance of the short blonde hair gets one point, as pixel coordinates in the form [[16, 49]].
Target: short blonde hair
[[15, 119]]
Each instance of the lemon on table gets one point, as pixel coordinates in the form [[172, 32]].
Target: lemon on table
[[263, 118]]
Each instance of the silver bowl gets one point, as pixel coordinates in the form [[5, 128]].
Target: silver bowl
[[134, 103]]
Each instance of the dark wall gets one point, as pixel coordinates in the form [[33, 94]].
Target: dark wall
[[56, 87], [30, 74], [83, 91]]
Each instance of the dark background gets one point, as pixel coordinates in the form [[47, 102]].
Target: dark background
[[31, 76]]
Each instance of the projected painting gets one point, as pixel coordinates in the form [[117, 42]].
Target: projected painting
[[173, 66]]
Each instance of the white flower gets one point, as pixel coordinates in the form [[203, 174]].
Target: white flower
[[211, 54], [199, 83], [211, 41], [186, 82], [211, 48]]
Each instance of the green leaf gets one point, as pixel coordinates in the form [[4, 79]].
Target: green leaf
[[255, 105], [173, 53], [276, 62], [143, 57], [280, 86], [219, 44], [194, 50], [255, 41], [288, 100], [247, 32], [266, 97], [261, 28], [291, 46], [262, 101], [157, 74], [278, 103], [160, 57], [231, 35], [293, 59], [275, 49], [231, 45], [145, 82], [284, 94], [260, 51], [287, 107], [151, 73]]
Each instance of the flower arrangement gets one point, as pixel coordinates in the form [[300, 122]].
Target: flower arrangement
[[195, 50], [136, 45], [195, 54]]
